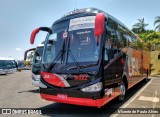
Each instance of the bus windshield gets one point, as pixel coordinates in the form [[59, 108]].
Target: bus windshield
[[20, 64], [2, 64], [72, 41], [14, 64], [38, 55]]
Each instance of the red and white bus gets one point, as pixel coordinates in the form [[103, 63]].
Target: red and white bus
[[89, 58]]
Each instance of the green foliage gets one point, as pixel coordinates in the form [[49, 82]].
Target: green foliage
[[157, 23], [27, 63], [155, 62], [140, 26], [149, 45], [140, 44], [30, 56], [150, 40]]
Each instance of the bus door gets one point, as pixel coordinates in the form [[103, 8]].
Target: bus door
[[114, 60]]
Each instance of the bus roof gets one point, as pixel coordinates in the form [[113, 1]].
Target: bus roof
[[87, 11], [90, 11], [6, 58]]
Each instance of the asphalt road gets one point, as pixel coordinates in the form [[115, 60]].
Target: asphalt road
[[16, 91]]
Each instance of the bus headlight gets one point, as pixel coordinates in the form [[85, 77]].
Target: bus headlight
[[42, 85], [93, 88]]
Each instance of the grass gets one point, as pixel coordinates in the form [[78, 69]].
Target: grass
[[155, 63]]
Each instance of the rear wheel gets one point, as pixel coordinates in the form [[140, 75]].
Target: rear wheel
[[122, 91]]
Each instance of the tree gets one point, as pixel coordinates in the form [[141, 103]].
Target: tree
[[140, 26], [135, 30], [139, 44], [30, 56], [157, 23], [151, 40], [27, 63], [147, 43]]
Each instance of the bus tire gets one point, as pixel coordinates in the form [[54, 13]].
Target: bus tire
[[122, 88]]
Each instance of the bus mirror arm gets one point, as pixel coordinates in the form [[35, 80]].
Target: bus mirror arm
[[26, 52], [35, 31]]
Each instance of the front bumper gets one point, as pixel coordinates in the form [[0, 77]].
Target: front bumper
[[35, 80], [3, 72], [10, 71], [35, 83], [79, 101]]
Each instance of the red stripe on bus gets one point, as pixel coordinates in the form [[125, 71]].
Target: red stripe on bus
[[81, 101], [52, 79]]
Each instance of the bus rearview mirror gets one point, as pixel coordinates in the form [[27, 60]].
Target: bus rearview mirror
[[33, 35], [35, 31], [27, 51], [99, 24]]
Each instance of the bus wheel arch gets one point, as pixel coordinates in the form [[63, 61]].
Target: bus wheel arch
[[124, 78]]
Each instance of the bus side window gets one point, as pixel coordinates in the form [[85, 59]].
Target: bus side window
[[106, 53], [111, 52], [112, 40]]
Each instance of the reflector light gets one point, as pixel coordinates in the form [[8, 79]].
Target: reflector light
[[93, 88]]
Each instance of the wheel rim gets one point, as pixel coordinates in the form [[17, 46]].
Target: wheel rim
[[122, 91]]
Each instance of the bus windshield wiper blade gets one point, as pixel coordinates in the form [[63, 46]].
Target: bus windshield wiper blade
[[74, 59], [54, 61], [61, 52], [82, 66], [77, 64]]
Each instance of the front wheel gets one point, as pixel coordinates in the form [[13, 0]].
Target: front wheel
[[122, 91]]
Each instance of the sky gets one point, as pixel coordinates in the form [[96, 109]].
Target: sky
[[19, 17]]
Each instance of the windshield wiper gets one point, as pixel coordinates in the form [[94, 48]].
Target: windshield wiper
[[77, 64], [82, 66], [61, 52], [74, 59]]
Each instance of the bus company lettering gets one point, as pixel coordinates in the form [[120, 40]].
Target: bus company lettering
[[46, 76]]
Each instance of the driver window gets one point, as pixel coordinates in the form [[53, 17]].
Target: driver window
[[111, 51], [112, 42]]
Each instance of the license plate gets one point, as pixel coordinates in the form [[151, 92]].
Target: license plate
[[62, 96]]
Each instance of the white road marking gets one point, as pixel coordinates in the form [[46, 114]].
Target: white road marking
[[153, 114], [152, 99], [136, 95], [132, 99], [155, 102]]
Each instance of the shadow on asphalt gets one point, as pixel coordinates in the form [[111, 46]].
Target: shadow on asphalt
[[66, 110], [31, 91], [3, 74]]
